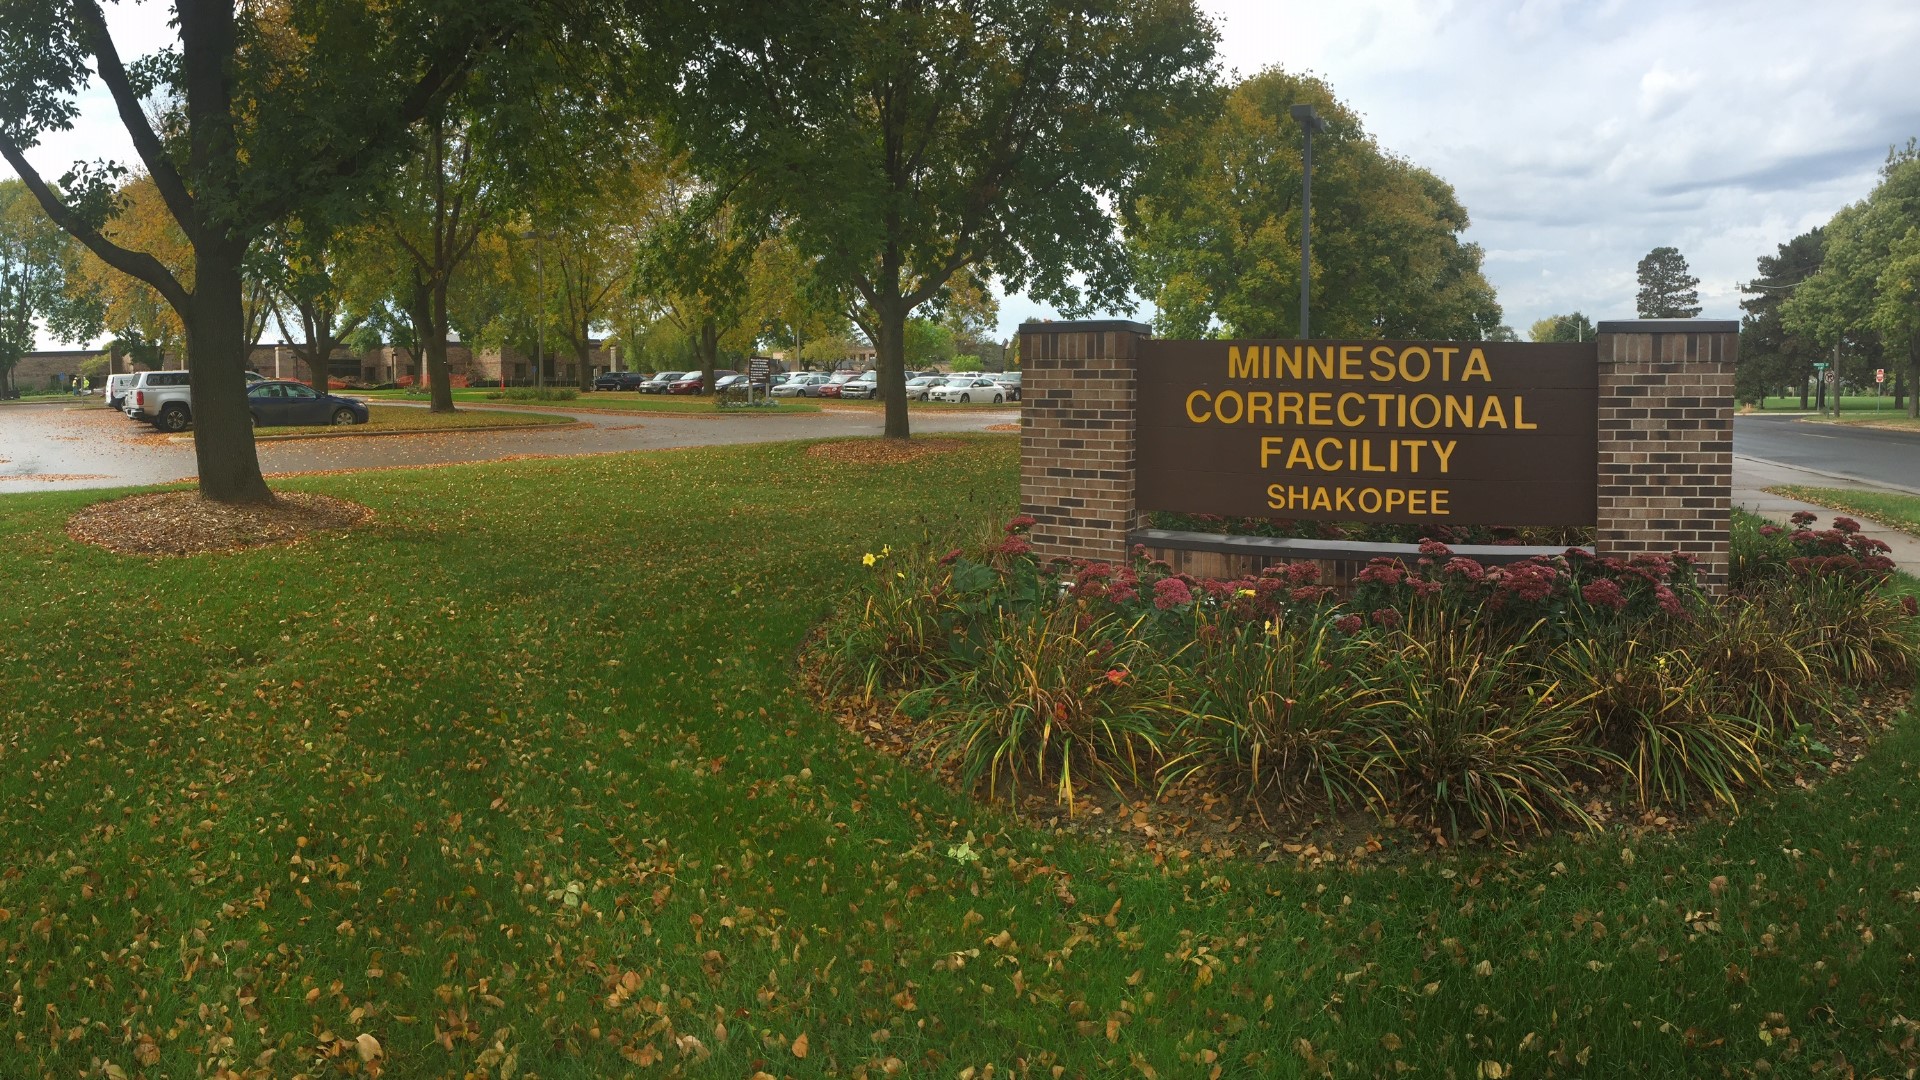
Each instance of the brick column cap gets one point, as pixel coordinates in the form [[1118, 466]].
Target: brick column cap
[[1091, 326], [1668, 326]]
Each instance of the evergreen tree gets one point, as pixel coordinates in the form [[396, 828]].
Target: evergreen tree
[[1666, 288]]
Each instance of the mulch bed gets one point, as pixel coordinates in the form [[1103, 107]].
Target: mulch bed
[[1003, 427], [183, 523], [882, 451]]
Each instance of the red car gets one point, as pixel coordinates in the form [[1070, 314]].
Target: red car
[[831, 388], [695, 382]]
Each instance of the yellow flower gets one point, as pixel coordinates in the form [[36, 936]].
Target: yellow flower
[[868, 559], [1248, 592], [885, 551]]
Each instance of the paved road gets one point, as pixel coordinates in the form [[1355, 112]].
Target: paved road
[[1883, 459], [66, 445]]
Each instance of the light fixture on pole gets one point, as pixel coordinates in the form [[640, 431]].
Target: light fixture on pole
[[1309, 124]]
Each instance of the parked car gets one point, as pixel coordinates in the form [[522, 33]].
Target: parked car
[[866, 385], [968, 389], [831, 388], [285, 403], [619, 380], [802, 384], [724, 383], [918, 388], [117, 387], [659, 383], [161, 398], [695, 382], [1010, 380]]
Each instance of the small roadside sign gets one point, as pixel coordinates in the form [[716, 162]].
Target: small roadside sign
[[1880, 375]]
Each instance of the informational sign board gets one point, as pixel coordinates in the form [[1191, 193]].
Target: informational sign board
[[1389, 431], [759, 370]]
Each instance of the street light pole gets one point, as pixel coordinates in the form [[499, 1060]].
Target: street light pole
[[1309, 123]]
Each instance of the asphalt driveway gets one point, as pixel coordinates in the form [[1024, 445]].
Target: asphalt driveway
[[69, 445]]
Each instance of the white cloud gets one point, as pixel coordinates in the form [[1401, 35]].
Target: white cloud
[[1581, 135]]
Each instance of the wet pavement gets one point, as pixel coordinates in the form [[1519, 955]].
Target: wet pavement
[[65, 444]]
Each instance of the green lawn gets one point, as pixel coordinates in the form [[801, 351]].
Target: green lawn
[[1862, 403], [402, 418], [1888, 508], [518, 779], [625, 402]]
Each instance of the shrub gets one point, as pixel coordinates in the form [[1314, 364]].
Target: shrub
[[1478, 698], [1055, 697], [1653, 711], [1483, 743], [1285, 709], [534, 393]]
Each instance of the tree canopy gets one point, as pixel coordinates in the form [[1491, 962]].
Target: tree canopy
[[1867, 290], [40, 281], [254, 113], [1574, 327], [898, 144], [1773, 357], [1667, 289], [1216, 228]]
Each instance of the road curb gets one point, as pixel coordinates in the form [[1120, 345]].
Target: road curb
[[1861, 480]]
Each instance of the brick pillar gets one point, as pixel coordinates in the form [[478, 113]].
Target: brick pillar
[[1076, 436], [1666, 440]]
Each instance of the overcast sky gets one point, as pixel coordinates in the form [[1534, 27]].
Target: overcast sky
[[1578, 133]]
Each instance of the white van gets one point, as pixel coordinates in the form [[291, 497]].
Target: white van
[[117, 387]]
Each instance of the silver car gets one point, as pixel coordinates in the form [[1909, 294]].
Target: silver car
[[968, 389]]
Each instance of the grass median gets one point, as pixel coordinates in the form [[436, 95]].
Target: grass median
[[482, 791], [1888, 508], [395, 418]]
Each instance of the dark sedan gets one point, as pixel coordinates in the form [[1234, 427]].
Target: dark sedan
[[280, 403], [619, 380]]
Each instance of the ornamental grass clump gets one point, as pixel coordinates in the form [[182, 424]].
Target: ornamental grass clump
[[1480, 699], [1292, 709], [1056, 697]]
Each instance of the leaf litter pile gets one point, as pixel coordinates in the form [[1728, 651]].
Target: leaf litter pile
[[466, 795], [183, 523]]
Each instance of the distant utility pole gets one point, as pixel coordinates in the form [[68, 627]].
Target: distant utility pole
[[1309, 123]]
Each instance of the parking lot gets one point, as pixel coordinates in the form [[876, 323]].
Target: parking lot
[[66, 444]]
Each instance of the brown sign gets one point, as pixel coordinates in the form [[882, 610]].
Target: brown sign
[[1479, 432]]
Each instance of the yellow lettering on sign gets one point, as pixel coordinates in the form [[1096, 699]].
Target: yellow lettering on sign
[[1520, 415], [1476, 365], [1251, 364], [1382, 360], [1341, 408], [1194, 416], [1287, 364], [1270, 447], [1349, 362], [1491, 413]]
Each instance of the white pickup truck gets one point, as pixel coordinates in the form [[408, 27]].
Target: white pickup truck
[[165, 398], [161, 398]]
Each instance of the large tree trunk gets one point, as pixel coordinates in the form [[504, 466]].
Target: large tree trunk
[[1912, 387], [1804, 379], [709, 346], [420, 315], [216, 355], [891, 351], [437, 353], [583, 356]]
